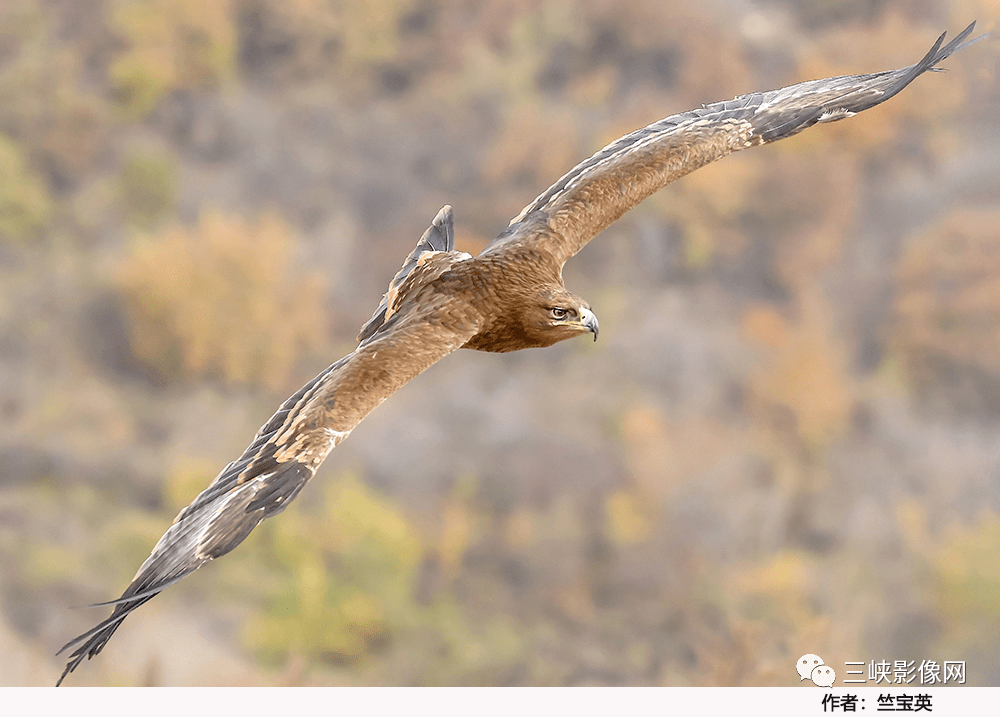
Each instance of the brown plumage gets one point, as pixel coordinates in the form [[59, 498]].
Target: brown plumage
[[509, 297]]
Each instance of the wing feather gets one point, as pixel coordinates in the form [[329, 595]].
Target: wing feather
[[600, 189], [440, 236], [286, 452]]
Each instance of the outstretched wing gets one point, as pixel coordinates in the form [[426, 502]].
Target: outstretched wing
[[289, 448], [600, 189]]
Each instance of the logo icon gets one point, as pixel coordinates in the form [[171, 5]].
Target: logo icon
[[823, 676], [812, 667]]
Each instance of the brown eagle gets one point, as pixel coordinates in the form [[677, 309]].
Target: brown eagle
[[509, 297]]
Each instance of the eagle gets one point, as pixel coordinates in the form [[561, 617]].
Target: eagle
[[509, 297]]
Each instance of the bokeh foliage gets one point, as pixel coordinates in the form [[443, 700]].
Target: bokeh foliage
[[147, 185], [345, 594], [24, 199], [171, 45], [223, 299], [947, 308]]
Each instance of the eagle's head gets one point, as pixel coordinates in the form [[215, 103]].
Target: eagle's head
[[554, 315], [536, 318]]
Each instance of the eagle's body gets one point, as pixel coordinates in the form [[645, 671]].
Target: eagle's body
[[510, 297]]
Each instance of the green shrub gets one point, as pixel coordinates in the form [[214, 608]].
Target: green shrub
[[25, 205]]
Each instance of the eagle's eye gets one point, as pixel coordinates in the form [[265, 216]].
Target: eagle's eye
[[558, 313]]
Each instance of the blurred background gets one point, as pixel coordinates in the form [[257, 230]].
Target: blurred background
[[785, 441]]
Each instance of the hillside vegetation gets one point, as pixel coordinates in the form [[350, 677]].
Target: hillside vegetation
[[785, 441]]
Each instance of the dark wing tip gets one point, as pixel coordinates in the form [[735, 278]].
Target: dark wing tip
[[97, 637], [958, 44], [867, 92], [937, 53], [929, 61]]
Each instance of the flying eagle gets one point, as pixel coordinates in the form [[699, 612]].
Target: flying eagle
[[509, 297]]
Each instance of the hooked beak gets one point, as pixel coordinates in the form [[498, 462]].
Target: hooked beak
[[589, 322]]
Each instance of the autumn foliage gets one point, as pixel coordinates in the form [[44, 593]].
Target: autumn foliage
[[783, 443], [223, 299]]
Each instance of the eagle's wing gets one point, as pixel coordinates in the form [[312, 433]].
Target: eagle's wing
[[440, 236], [600, 189], [288, 449]]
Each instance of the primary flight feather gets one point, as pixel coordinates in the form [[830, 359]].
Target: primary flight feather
[[509, 297]]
